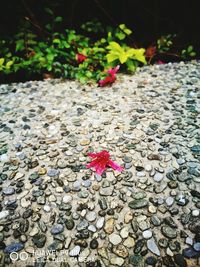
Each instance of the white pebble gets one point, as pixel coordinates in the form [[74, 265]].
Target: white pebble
[[147, 234], [67, 199], [47, 208], [169, 201], [75, 251], [115, 239], [100, 223], [195, 213], [4, 214], [4, 157]]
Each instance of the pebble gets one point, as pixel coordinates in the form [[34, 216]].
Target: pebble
[[124, 232], [75, 251], [8, 191], [109, 226], [151, 245], [4, 214], [180, 261], [67, 199], [115, 239], [49, 199], [169, 232], [39, 240], [129, 242], [138, 203], [158, 177], [100, 223], [147, 234], [91, 216], [151, 261], [196, 246], [94, 244], [195, 213], [82, 225], [53, 172], [107, 191], [190, 253], [117, 261], [120, 251], [128, 217], [57, 229], [15, 247], [47, 208], [169, 201]]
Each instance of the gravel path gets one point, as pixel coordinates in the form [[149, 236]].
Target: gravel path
[[55, 212]]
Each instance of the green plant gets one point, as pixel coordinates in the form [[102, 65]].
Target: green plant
[[188, 52], [129, 56], [164, 43], [69, 54], [166, 47], [5, 65]]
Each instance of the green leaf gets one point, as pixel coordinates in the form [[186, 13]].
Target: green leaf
[[1, 61], [8, 55], [56, 41], [19, 45], [50, 57], [190, 48], [113, 46], [123, 57], [131, 65], [49, 67], [192, 54], [32, 42], [120, 35], [48, 27], [31, 35], [138, 54], [58, 19], [111, 57], [88, 74], [49, 11], [125, 29], [8, 64]]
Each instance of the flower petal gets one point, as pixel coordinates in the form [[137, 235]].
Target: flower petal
[[114, 165], [93, 155]]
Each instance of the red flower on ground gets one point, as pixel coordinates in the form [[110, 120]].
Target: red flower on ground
[[111, 78], [80, 58], [101, 160]]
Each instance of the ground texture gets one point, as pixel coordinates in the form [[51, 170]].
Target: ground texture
[[56, 212]]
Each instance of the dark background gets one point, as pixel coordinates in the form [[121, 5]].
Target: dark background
[[148, 19]]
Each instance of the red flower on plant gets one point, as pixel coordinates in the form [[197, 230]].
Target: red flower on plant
[[150, 52], [111, 77], [113, 71], [107, 80], [101, 161], [80, 57], [160, 62]]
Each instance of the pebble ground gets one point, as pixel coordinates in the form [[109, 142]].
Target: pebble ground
[[148, 215]]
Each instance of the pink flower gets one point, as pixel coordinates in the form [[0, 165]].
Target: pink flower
[[101, 160], [160, 62], [111, 77], [107, 80], [113, 71], [80, 58]]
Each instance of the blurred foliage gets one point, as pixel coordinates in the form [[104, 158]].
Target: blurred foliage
[[58, 53]]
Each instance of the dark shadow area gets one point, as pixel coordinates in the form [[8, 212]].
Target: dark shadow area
[[148, 19]]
